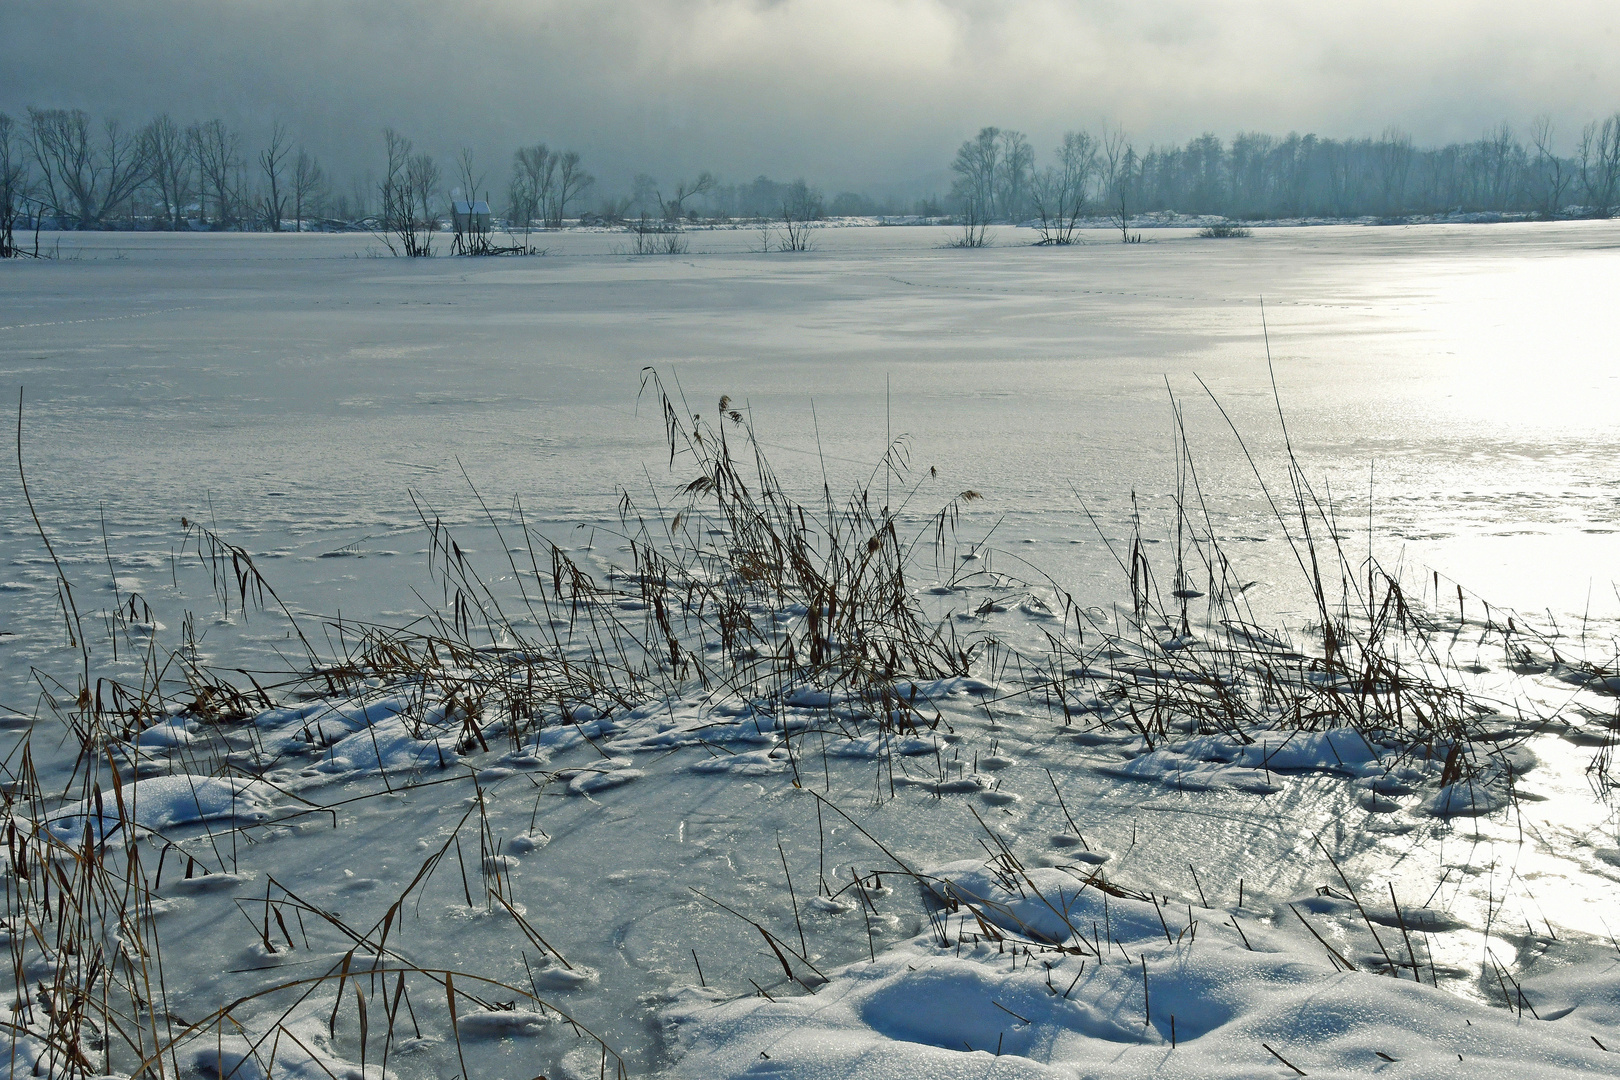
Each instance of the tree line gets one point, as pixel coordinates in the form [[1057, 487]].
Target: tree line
[[1258, 176], [58, 166]]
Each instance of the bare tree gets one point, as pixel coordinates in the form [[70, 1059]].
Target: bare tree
[[124, 167], [1599, 161], [403, 229], [272, 162], [425, 177], [1060, 191], [468, 178], [801, 207], [472, 230], [643, 195], [1553, 172], [1119, 166], [572, 182], [975, 222], [169, 165], [534, 175], [1441, 169], [1015, 175], [84, 179], [1394, 158], [216, 150], [14, 185], [976, 167], [308, 184], [674, 208], [1499, 161]]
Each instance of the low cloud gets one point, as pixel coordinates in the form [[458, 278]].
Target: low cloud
[[847, 94]]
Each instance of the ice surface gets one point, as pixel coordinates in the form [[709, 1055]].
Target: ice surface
[[291, 394], [292, 397]]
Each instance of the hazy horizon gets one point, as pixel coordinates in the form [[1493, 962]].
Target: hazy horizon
[[868, 97]]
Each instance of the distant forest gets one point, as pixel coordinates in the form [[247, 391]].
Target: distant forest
[[64, 169], [1262, 177]]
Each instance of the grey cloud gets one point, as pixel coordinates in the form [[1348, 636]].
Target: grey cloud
[[843, 92]]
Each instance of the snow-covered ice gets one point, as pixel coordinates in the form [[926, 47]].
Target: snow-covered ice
[[982, 894], [1042, 973]]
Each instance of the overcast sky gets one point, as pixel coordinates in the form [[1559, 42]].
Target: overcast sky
[[849, 93]]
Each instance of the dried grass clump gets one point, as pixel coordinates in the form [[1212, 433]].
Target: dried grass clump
[[739, 591], [741, 554], [1193, 659]]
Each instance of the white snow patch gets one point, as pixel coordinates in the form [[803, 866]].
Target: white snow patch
[[502, 1023], [975, 1007], [164, 802]]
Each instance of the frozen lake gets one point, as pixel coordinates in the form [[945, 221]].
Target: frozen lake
[[294, 392]]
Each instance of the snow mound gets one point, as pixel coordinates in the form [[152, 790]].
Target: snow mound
[[164, 802], [749, 763], [957, 1002], [608, 775], [355, 737], [171, 733], [1217, 763], [301, 1050], [1470, 798], [502, 1023]]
